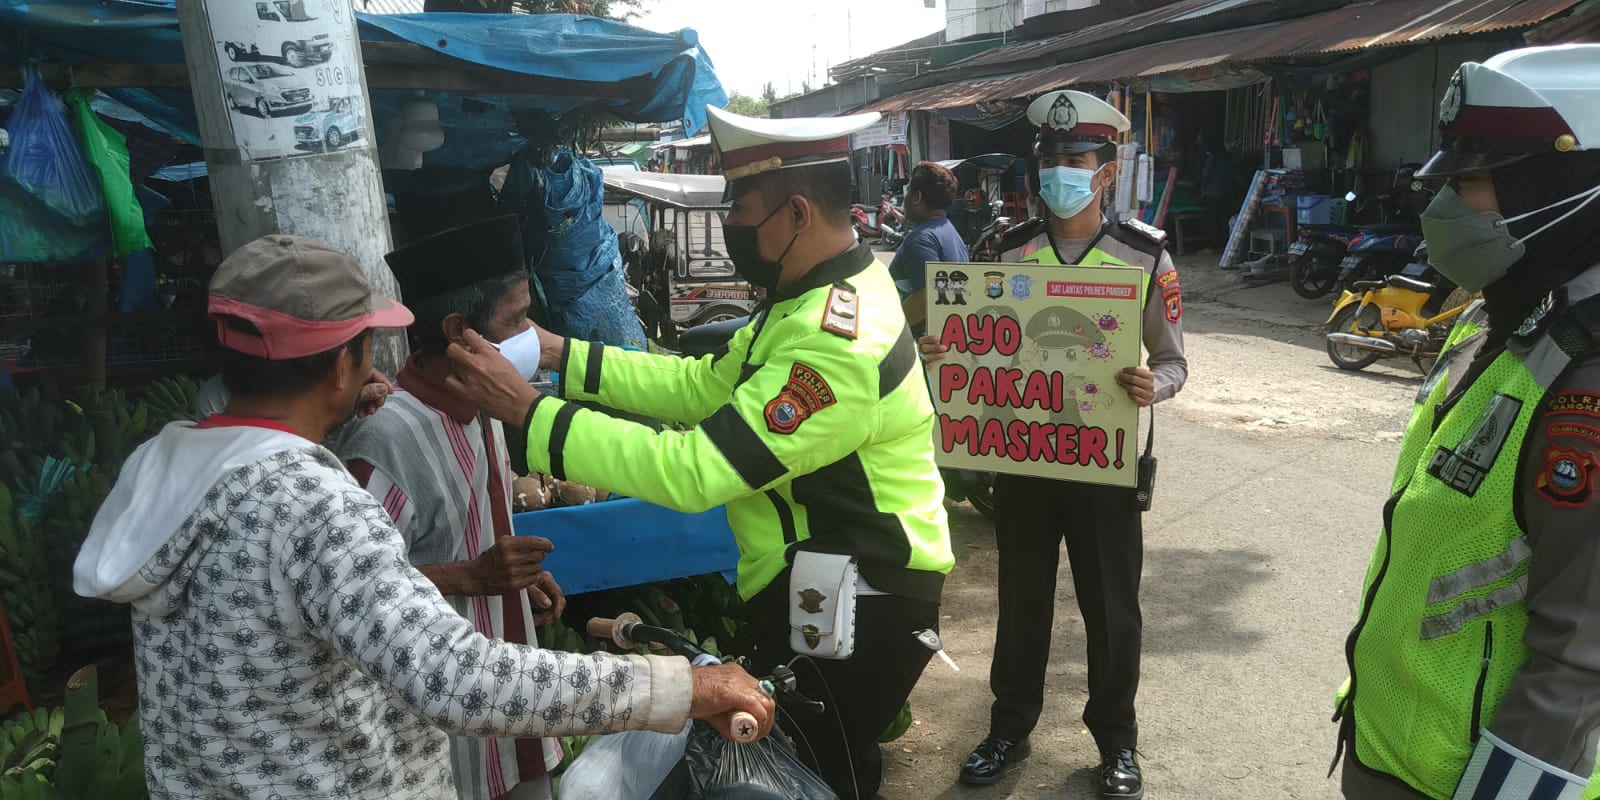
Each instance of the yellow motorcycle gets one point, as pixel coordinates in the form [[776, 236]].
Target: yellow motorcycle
[[1400, 315]]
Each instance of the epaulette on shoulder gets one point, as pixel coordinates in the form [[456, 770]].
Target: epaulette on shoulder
[[1019, 235], [839, 316], [1137, 234]]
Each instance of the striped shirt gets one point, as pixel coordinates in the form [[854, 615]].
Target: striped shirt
[[429, 459]]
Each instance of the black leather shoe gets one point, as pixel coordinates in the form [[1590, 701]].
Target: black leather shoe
[[1120, 777], [989, 760]]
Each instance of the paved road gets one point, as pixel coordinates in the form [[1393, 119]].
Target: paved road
[[1274, 466]]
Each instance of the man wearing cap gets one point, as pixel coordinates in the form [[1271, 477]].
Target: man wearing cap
[[284, 646], [1475, 660], [441, 470], [1076, 156], [813, 427]]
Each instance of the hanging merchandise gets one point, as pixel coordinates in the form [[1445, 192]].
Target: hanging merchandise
[[108, 155], [45, 159], [52, 208], [572, 251]]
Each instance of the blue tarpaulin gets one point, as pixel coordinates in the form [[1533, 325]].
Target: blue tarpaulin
[[574, 252], [668, 76]]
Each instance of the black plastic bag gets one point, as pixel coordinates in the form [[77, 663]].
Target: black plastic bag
[[766, 770]]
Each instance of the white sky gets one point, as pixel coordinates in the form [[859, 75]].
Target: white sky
[[756, 41]]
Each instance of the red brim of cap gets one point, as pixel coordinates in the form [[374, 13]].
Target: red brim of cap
[[284, 337]]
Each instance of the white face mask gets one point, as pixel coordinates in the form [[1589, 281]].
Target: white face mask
[[523, 352]]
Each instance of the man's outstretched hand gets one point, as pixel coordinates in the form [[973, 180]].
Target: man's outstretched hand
[[493, 383]]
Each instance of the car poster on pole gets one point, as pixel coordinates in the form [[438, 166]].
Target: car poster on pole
[[1028, 386], [290, 75]]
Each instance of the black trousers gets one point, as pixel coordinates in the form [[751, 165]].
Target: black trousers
[[863, 694], [1105, 546]]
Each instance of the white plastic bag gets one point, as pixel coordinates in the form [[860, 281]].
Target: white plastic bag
[[623, 765]]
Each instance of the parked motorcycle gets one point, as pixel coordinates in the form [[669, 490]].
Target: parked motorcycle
[[1405, 314], [1327, 257], [1315, 258], [986, 247], [887, 223], [1374, 255]]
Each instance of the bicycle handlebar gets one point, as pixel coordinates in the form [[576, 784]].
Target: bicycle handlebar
[[628, 631]]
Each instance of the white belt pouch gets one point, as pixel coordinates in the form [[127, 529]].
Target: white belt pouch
[[822, 605]]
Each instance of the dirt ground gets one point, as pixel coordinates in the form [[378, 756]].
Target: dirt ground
[[1274, 466]]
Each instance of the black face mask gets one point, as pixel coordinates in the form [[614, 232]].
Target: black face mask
[[745, 252]]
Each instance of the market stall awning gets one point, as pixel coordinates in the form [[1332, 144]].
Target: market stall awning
[[482, 69], [1218, 60]]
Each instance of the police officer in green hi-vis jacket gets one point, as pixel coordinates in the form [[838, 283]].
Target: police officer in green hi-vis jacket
[[814, 427], [1475, 657]]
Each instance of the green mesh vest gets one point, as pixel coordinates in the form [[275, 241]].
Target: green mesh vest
[[1440, 634]]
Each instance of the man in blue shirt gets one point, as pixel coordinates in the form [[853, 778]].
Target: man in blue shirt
[[928, 197]]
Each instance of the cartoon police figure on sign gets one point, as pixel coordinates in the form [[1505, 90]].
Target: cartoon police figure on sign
[[941, 284], [958, 288]]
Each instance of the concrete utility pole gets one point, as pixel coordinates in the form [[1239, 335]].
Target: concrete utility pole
[[281, 97]]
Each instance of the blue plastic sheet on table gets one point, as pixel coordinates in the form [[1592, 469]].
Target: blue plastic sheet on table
[[630, 542], [571, 248]]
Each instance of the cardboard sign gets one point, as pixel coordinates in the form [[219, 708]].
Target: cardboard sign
[[1028, 386]]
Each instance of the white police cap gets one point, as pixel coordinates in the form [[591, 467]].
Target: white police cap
[[750, 146], [1074, 122], [1520, 103]]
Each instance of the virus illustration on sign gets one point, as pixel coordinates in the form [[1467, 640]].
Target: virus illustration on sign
[[1100, 351], [1109, 322]]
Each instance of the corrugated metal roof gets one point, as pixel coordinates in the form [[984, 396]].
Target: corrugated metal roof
[[1185, 11], [1388, 23]]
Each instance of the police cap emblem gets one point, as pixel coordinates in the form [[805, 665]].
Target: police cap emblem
[[1454, 96], [1063, 115]]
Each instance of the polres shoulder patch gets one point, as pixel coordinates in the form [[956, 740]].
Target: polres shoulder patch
[[1171, 294], [1149, 232], [839, 316], [804, 394]]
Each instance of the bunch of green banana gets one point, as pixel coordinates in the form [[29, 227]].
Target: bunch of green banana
[[171, 399], [29, 742], [72, 752], [571, 748], [558, 636], [26, 592], [88, 627]]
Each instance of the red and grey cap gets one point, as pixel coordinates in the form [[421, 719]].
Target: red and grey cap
[[1074, 122], [1521, 103], [751, 146], [300, 295]]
